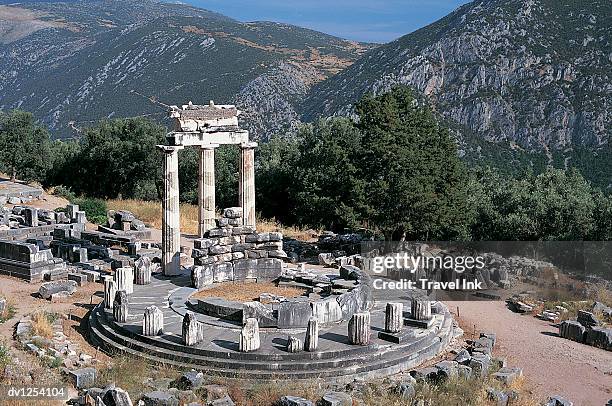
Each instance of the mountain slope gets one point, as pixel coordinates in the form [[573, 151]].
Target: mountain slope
[[533, 72], [81, 61]]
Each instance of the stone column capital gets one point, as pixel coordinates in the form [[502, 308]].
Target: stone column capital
[[168, 149], [248, 145]]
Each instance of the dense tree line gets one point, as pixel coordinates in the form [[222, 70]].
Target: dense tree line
[[394, 172]]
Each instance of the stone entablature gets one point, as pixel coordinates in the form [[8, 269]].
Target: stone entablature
[[206, 119]]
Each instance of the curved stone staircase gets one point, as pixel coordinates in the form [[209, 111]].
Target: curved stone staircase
[[377, 359]]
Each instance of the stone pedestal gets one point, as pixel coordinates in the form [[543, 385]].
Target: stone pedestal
[[311, 342], [206, 189], [171, 227], [249, 336], [294, 344], [110, 290], [31, 216], [71, 210], [124, 277], [420, 309], [394, 319], [246, 183], [153, 322], [120, 307], [143, 268], [193, 330], [80, 217], [359, 329]]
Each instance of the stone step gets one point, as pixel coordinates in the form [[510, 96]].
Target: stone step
[[340, 359], [394, 361], [350, 352], [342, 374]]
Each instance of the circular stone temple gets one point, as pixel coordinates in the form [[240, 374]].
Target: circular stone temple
[[333, 324]]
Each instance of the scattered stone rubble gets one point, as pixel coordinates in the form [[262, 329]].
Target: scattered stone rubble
[[39, 245], [17, 193], [58, 351], [587, 329], [124, 220]]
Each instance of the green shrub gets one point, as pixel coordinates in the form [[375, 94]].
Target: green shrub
[[65, 192], [95, 209]]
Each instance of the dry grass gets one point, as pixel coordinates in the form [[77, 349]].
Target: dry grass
[[150, 212], [127, 373], [297, 233], [247, 292], [270, 393], [597, 294], [8, 312], [42, 324]]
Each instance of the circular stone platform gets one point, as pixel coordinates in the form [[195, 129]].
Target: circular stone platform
[[218, 354]]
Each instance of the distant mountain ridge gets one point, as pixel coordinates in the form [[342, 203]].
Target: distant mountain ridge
[[72, 63], [522, 83], [533, 72]]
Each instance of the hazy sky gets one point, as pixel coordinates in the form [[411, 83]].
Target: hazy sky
[[361, 20]]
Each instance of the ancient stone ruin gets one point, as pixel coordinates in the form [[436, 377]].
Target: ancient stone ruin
[[203, 127], [158, 307]]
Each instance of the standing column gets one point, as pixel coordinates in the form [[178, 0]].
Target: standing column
[[246, 183], [171, 227], [206, 189]]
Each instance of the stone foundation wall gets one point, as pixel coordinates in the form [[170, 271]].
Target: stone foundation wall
[[27, 261], [232, 252]]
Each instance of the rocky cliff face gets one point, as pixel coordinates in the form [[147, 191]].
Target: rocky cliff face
[[534, 72], [75, 63]]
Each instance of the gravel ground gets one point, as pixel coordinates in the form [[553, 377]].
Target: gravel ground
[[551, 364]]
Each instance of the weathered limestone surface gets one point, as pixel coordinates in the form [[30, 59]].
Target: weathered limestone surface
[[110, 291], [193, 330], [143, 269], [246, 183], [124, 277], [359, 329], [62, 288], [249, 336], [327, 310], [572, 330], [120, 307], [336, 399], [260, 312], [600, 337], [394, 319], [420, 309], [27, 261], [171, 227], [587, 319], [153, 321], [206, 189], [311, 342], [116, 396], [294, 344], [31, 216]]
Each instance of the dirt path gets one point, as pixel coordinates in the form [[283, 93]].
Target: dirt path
[[552, 365]]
